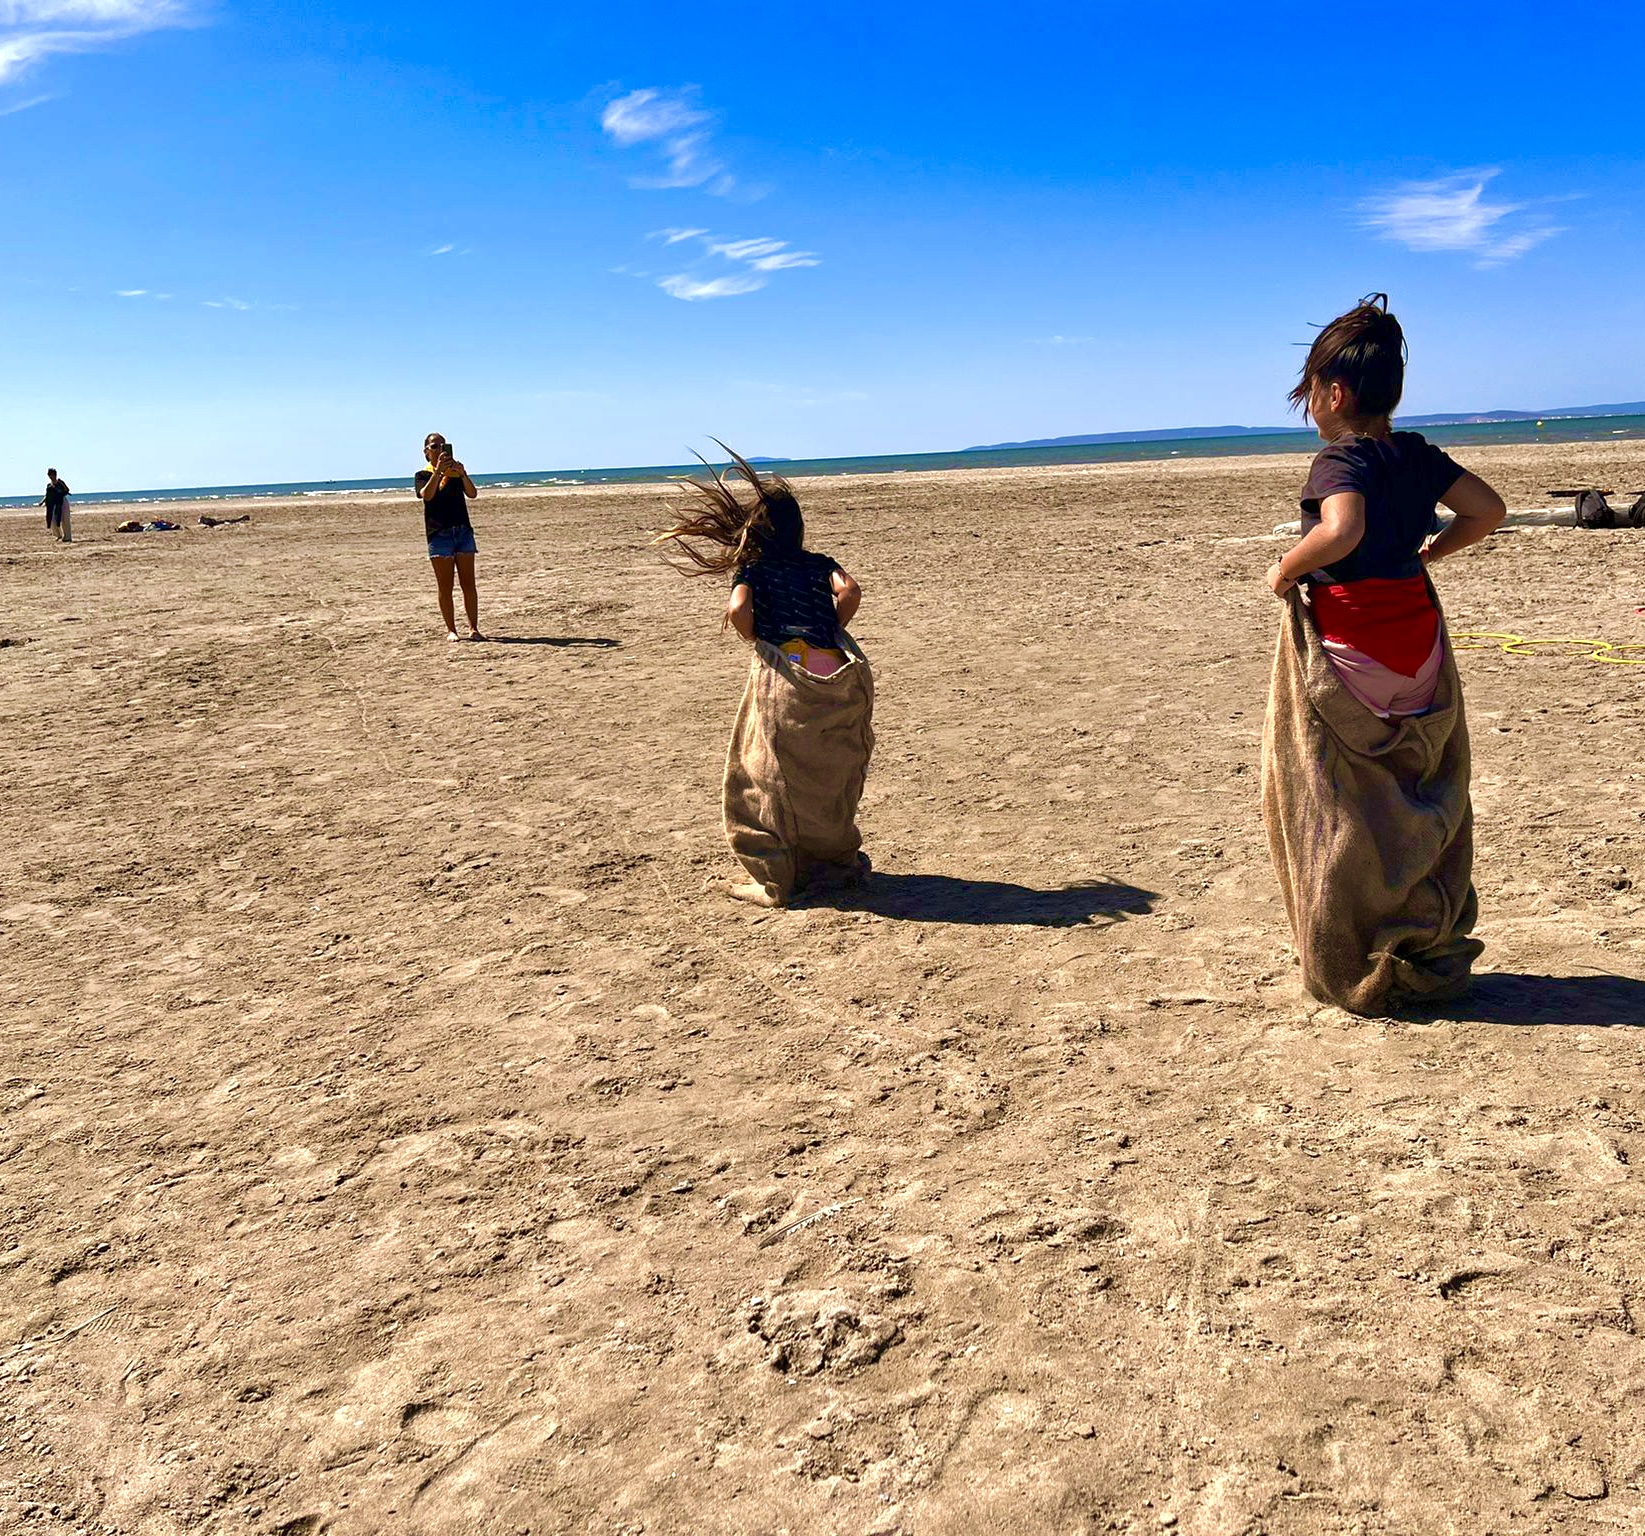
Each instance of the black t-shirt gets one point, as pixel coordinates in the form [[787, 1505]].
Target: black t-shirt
[[792, 597], [1402, 478], [57, 492], [448, 510]]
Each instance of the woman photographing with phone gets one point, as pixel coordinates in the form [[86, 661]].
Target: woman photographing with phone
[[445, 491]]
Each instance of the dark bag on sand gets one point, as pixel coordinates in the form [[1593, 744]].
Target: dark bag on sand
[[795, 769], [1372, 832], [1594, 511]]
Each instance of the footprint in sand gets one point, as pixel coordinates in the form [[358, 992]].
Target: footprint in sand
[[439, 1424], [999, 1475], [499, 1479]]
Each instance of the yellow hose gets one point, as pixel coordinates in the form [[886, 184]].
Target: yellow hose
[[1528, 647], [1518, 645]]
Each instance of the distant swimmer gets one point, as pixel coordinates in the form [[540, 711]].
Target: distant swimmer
[[446, 490], [59, 509]]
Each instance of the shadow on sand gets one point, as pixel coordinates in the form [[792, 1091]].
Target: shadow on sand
[[943, 899], [1505, 997], [598, 642]]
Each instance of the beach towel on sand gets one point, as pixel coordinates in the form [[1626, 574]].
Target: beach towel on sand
[[1372, 832], [794, 772]]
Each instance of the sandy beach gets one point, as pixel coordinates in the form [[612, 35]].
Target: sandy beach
[[400, 1131]]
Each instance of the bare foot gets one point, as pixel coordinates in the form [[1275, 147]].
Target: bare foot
[[452, 636], [756, 894], [474, 634]]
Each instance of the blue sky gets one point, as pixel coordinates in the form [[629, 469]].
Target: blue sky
[[254, 242]]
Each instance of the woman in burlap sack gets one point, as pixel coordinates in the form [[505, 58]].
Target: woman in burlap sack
[[805, 728], [1365, 761]]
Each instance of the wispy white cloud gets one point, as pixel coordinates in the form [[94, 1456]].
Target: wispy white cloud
[[684, 286], [1061, 341], [765, 255], [679, 130], [1453, 213], [644, 115], [442, 250], [758, 257], [18, 50], [131, 293], [743, 250], [783, 260], [1511, 246], [678, 127], [32, 30], [97, 13], [242, 305]]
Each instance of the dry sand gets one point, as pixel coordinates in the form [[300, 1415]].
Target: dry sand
[[398, 1127]]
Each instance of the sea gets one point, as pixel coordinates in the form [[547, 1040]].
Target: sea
[[1561, 429]]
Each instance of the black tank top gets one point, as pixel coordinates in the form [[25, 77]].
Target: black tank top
[[792, 597]]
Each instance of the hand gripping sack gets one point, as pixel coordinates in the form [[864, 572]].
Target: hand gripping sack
[[795, 769], [1371, 829]]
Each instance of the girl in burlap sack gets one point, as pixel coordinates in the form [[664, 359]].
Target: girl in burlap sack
[[804, 731], [1365, 754]]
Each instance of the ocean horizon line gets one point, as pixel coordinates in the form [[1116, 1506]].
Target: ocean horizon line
[[1140, 447]]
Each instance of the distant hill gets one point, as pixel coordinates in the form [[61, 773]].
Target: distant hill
[[1156, 435], [1454, 419], [1626, 408]]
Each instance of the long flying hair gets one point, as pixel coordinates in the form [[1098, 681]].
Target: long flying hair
[[736, 531], [1364, 351]]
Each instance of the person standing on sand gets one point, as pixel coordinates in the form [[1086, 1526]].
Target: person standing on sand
[[58, 508], [1365, 757], [445, 491]]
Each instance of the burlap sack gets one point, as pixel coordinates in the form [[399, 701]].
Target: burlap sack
[[794, 772], [1372, 832]]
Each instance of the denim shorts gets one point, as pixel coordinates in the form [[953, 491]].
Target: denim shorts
[[454, 541]]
